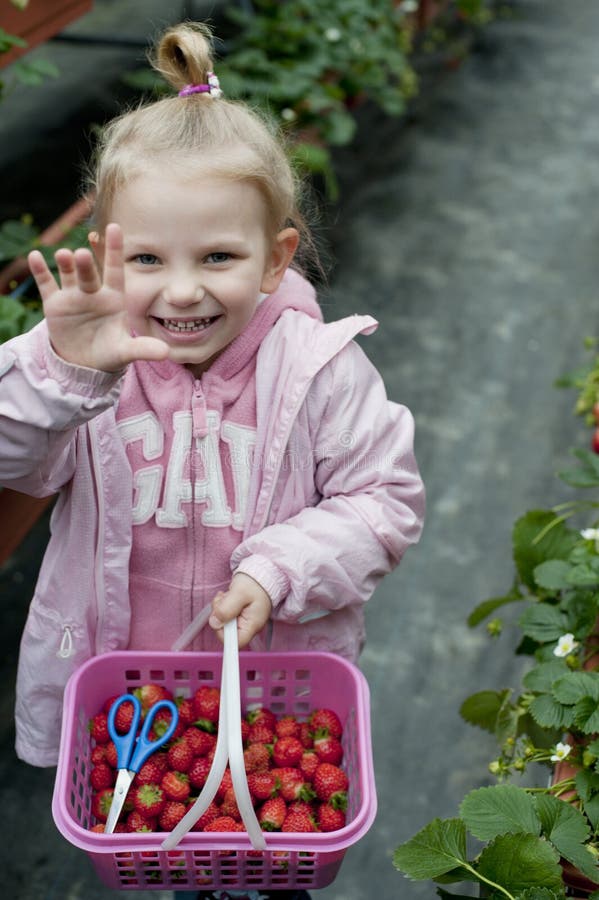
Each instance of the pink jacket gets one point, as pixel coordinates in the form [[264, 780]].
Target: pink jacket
[[335, 499]]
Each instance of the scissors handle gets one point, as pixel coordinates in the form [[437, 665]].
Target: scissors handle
[[145, 746], [124, 743]]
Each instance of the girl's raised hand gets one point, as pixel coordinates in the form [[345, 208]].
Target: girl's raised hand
[[86, 312]]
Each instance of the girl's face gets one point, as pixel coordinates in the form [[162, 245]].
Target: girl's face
[[197, 254]]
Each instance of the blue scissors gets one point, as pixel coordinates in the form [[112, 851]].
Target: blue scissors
[[133, 751]]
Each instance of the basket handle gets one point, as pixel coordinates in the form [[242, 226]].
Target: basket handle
[[229, 747]]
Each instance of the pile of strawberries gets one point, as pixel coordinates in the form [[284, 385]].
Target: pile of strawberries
[[293, 768]]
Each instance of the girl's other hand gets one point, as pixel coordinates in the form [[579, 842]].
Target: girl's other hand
[[86, 311], [246, 601]]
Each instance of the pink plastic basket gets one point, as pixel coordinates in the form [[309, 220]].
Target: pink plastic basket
[[288, 683]]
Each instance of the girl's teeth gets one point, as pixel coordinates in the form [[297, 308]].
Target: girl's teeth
[[191, 325]]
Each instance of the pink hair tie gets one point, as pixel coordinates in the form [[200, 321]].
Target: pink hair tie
[[212, 88]]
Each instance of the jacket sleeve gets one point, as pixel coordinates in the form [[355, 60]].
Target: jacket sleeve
[[369, 503], [43, 400]]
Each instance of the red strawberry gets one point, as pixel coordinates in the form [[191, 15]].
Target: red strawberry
[[330, 783], [287, 751], [262, 785], [148, 799], [326, 720], [150, 694], [108, 703], [185, 710], [299, 820], [171, 815], [271, 814], [212, 813], [595, 441], [111, 755], [328, 748], [150, 773], [260, 734], [161, 724], [180, 756], [198, 772], [245, 730], [98, 728], [98, 754], [292, 785], [263, 716], [305, 735], [288, 726], [224, 824], [226, 783], [206, 705], [176, 786], [102, 776], [201, 742], [256, 758], [124, 717], [309, 763], [229, 805], [101, 803], [136, 821], [329, 817]]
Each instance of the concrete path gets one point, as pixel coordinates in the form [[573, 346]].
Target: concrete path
[[470, 231]]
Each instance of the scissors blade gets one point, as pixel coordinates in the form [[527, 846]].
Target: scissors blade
[[121, 788]]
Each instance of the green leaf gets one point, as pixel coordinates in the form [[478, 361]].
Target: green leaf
[[552, 575], [438, 848], [583, 476], [521, 861], [568, 831], [548, 713], [541, 677], [538, 536], [491, 811], [17, 237], [482, 709], [586, 715], [536, 893], [487, 607], [543, 622], [575, 686]]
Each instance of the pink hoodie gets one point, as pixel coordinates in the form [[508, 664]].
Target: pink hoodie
[[334, 499]]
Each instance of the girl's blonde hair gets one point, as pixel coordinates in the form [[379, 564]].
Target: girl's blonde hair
[[194, 134]]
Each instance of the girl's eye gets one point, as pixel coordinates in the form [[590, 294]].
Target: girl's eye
[[146, 259], [218, 257]]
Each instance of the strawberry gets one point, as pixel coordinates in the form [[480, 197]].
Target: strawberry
[[299, 820], [326, 720], [308, 764], [224, 824], [148, 799], [150, 773], [305, 735], [287, 751], [262, 785], [108, 703], [111, 755], [206, 705], [330, 783], [329, 817], [136, 821], [212, 813], [180, 756], [102, 776], [161, 724], [595, 441], [185, 710], [201, 742], [256, 758], [98, 728], [328, 748], [98, 754], [101, 803], [124, 717], [226, 783], [287, 726], [229, 805], [198, 772], [263, 716], [245, 730], [100, 828], [150, 694], [171, 815], [271, 814], [292, 785], [176, 786], [260, 734]]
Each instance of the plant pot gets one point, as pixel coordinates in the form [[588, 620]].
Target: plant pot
[[38, 21]]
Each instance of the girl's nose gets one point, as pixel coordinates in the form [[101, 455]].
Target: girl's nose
[[183, 291]]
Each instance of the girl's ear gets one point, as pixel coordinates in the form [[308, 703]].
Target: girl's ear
[[96, 244], [282, 252]]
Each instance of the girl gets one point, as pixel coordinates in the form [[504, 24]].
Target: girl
[[214, 444]]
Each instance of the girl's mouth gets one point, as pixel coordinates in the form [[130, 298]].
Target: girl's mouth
[[187, 326]]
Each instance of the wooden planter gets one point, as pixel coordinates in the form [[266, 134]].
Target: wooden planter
[[38, 22]]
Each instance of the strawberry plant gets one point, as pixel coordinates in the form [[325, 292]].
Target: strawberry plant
[[527, 832]]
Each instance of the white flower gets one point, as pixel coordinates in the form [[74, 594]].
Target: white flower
[[409, 6], [333, 35], [288, 115], [591, 534], [561, 752], [565, 645]]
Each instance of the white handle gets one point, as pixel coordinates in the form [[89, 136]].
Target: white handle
[[228, 746]]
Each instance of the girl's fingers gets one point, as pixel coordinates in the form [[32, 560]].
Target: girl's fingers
[[113, 271], [42, 275], [87, 273], [65, 260]]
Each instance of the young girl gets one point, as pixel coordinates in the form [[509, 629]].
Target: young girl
[[213, 442]]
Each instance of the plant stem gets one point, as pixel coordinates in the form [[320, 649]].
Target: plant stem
[[488, 881]]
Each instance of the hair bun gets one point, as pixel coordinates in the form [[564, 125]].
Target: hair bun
[[184, 55]]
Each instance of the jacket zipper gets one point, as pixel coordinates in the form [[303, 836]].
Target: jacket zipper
[[99, 553]]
